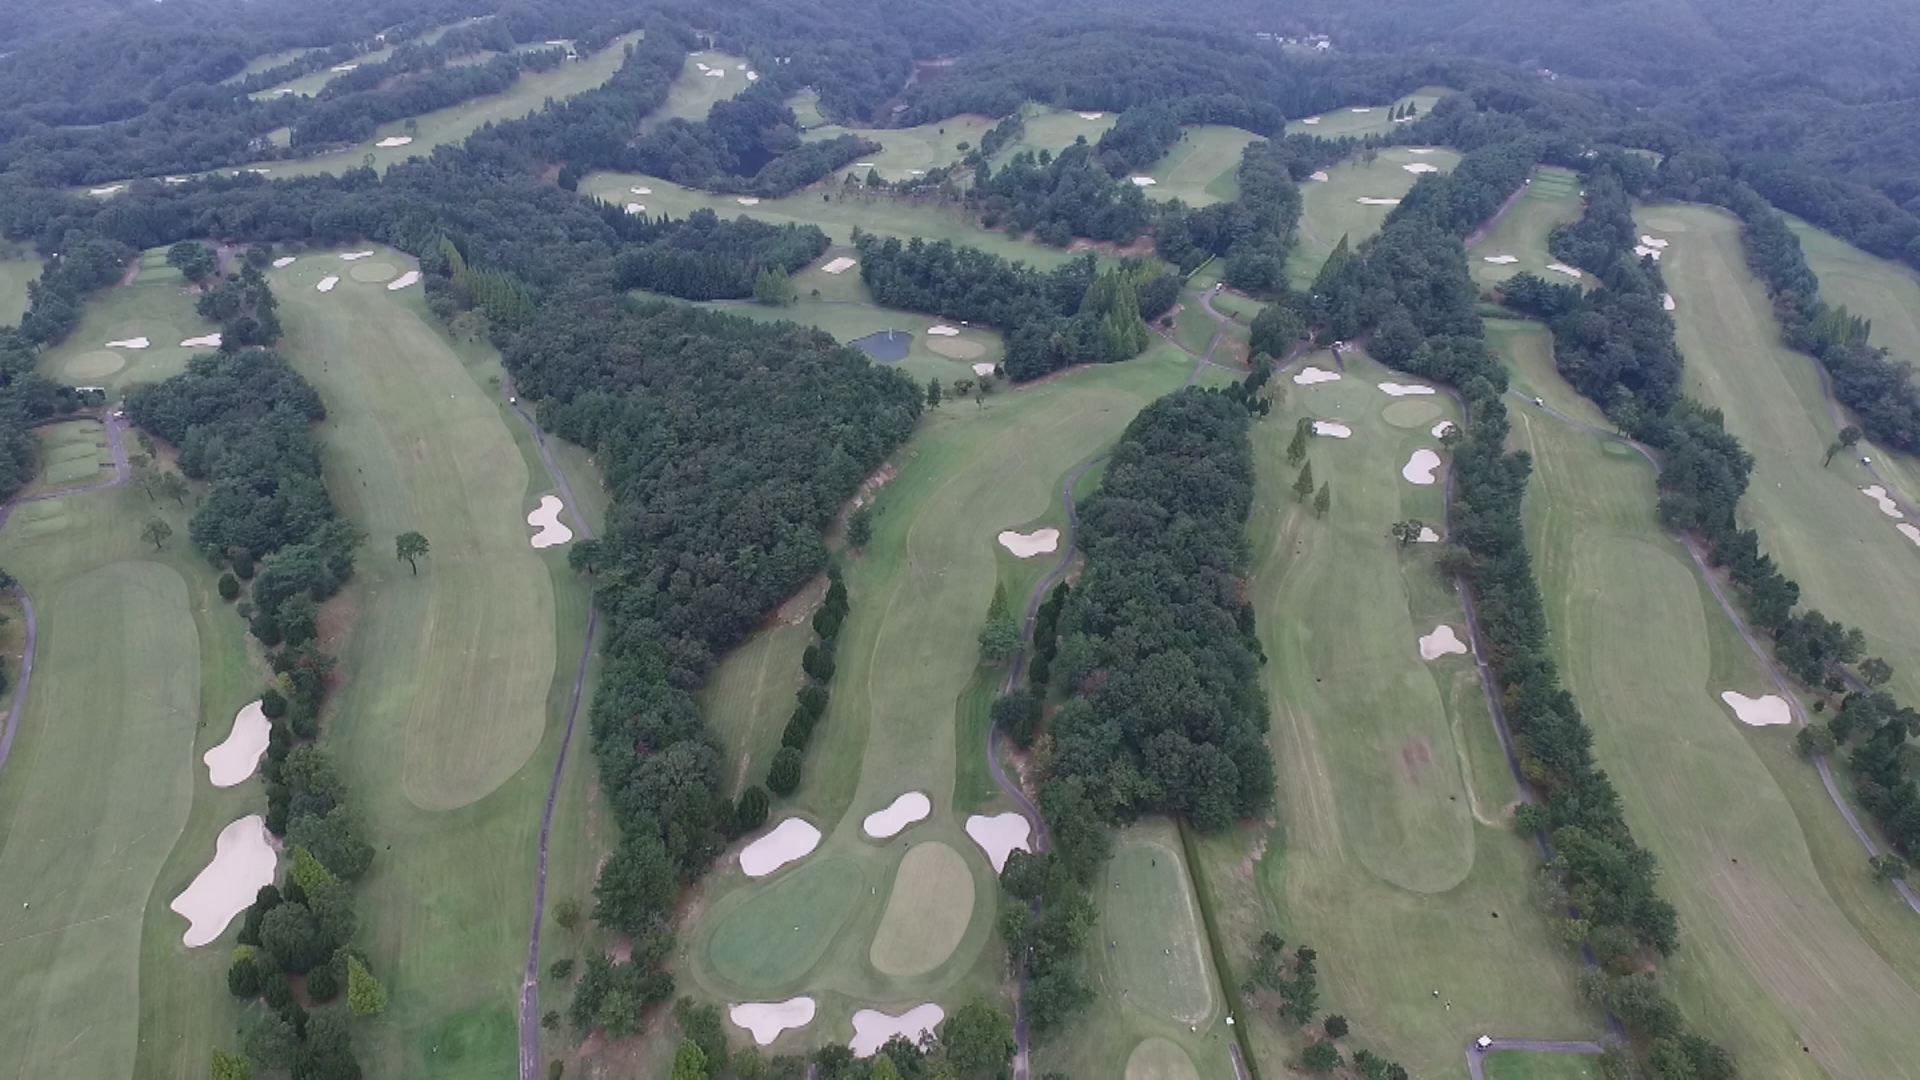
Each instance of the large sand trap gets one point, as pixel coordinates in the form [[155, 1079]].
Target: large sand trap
[[1367, 200], [1646, 252], [1361, 109], [1667, 301], [703, 67], [1652, 242], [1332, 429], [1309, 375], [753, 76], [343, 68], [789, 841], [766, 1020], [108, 190], [841, 265], [983, 370], [403, 280], [1910, 532], [943, 330], [1419, 468], [641, 190], [205, 341], [1091, 115], [1320, 176], [1442, 642], [872, 1028], [1563, 268], [327, 283], [174, 180], [900, 813], [636, 208], [716, 73], [863, 165], [283, 262], [546, 518], [1420, 150], [242, 865], [350, 256], [235, 759], [1027, 545], [1311, 120], [1763, 711], [1421, 167], [129, 343], [1440, 429], [394, 140], [747, 200], [1887, 506], [1394, 389], [1502, 260], [1143, 181], [1427, 535], [999, 836]]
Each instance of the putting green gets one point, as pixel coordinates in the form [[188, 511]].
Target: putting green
[[772, 939], [1522, 1065], [957, 348], [153, 307], [1412, 413], [1151, 926], [927, 912], [1160, 1059], [1331, 209], [373, 272]]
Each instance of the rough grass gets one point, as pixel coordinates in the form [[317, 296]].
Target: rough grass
[[1341, 123], [1553, 198], [1329, 210], [17, 267], [694, 91], [1846, 554], [1774, 961], [157, 306], [456, 681], [1054, 130], [1202, 167], [1390, 850], [908, 152]]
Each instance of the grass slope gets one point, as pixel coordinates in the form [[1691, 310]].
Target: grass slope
[[1202, 167], [456, 680], [72, 453], [1846, 554], [1773, 962], [1390, 851], [1331, 209], [1552, 198]]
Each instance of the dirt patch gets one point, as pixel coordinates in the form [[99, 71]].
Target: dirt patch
[[1140, 246], [1415, 756], [800, 607]]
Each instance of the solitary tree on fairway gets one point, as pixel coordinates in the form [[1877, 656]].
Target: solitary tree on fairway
[[1849, 435], [1335, 1025], [1323, 499], [1875, 671], [1297, 449], [156, 532], [410, 546], [933, 393], [1303, 487], [145, 476], [1321, 1057], [1408, 531], [1000, 637]]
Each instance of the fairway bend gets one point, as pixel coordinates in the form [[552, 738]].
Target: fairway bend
[[1760, 652], [114, 426], [530, 980], [1532, 1046]]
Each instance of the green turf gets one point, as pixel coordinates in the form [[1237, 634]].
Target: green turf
[[1341, 123], [1773, 952], [694, 91], [1846, 554], [909, 152], [1389, 851], [1552, 198], [806, 109], [314, 81], [1152, 977], [1053, 130], [1202, 168], [263, 63], [457, 680], [927, 913], [71, 454], [17, 267], [1522, 1065], [1329, 209], [155, 306]]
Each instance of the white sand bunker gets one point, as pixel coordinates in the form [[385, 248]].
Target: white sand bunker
[[283, 262], [1421, 167], [1910, 532], [1332, 429], [983, 369], [863, 165], [1652, 242], [1887, 506], [900, 813], [129, 343], [840, 265], [242, 864], [999, 836], [716, 73], [206, 341], [641, 190], [1667, 301], [327, 283], [1091, 115], [1763, 711], [747, 200], [395, 140], [1367, 200], [1563, 268], [1394, 389], [753, 76], [1309, 375], [235, 759], [1311, 120], [790, 841], [1502, 260], [108, 190], [1362, 109], [174, 180], [1427, 535], [766, 1020], [546, 518], [1027, 545], [343, 67], [1442, 642], [1143, 181], [636, 208], [943, 330], [1646, 252], [1440, 429], [403, 280], [1420, 150], [872, 1028], [1320, 177], [701, 66], [352, 255], [1419, 468]]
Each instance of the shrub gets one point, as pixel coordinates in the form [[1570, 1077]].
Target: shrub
[[561, 968], [365, 995], [273, 704], [243, 975], [229, 586], [751, 812], [784, 774], [799, 730], [1017, 714], [323, 983]]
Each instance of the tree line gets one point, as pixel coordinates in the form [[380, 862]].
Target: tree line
[[702, 257]]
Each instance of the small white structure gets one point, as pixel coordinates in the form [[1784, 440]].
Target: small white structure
[[1483, 1043]]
